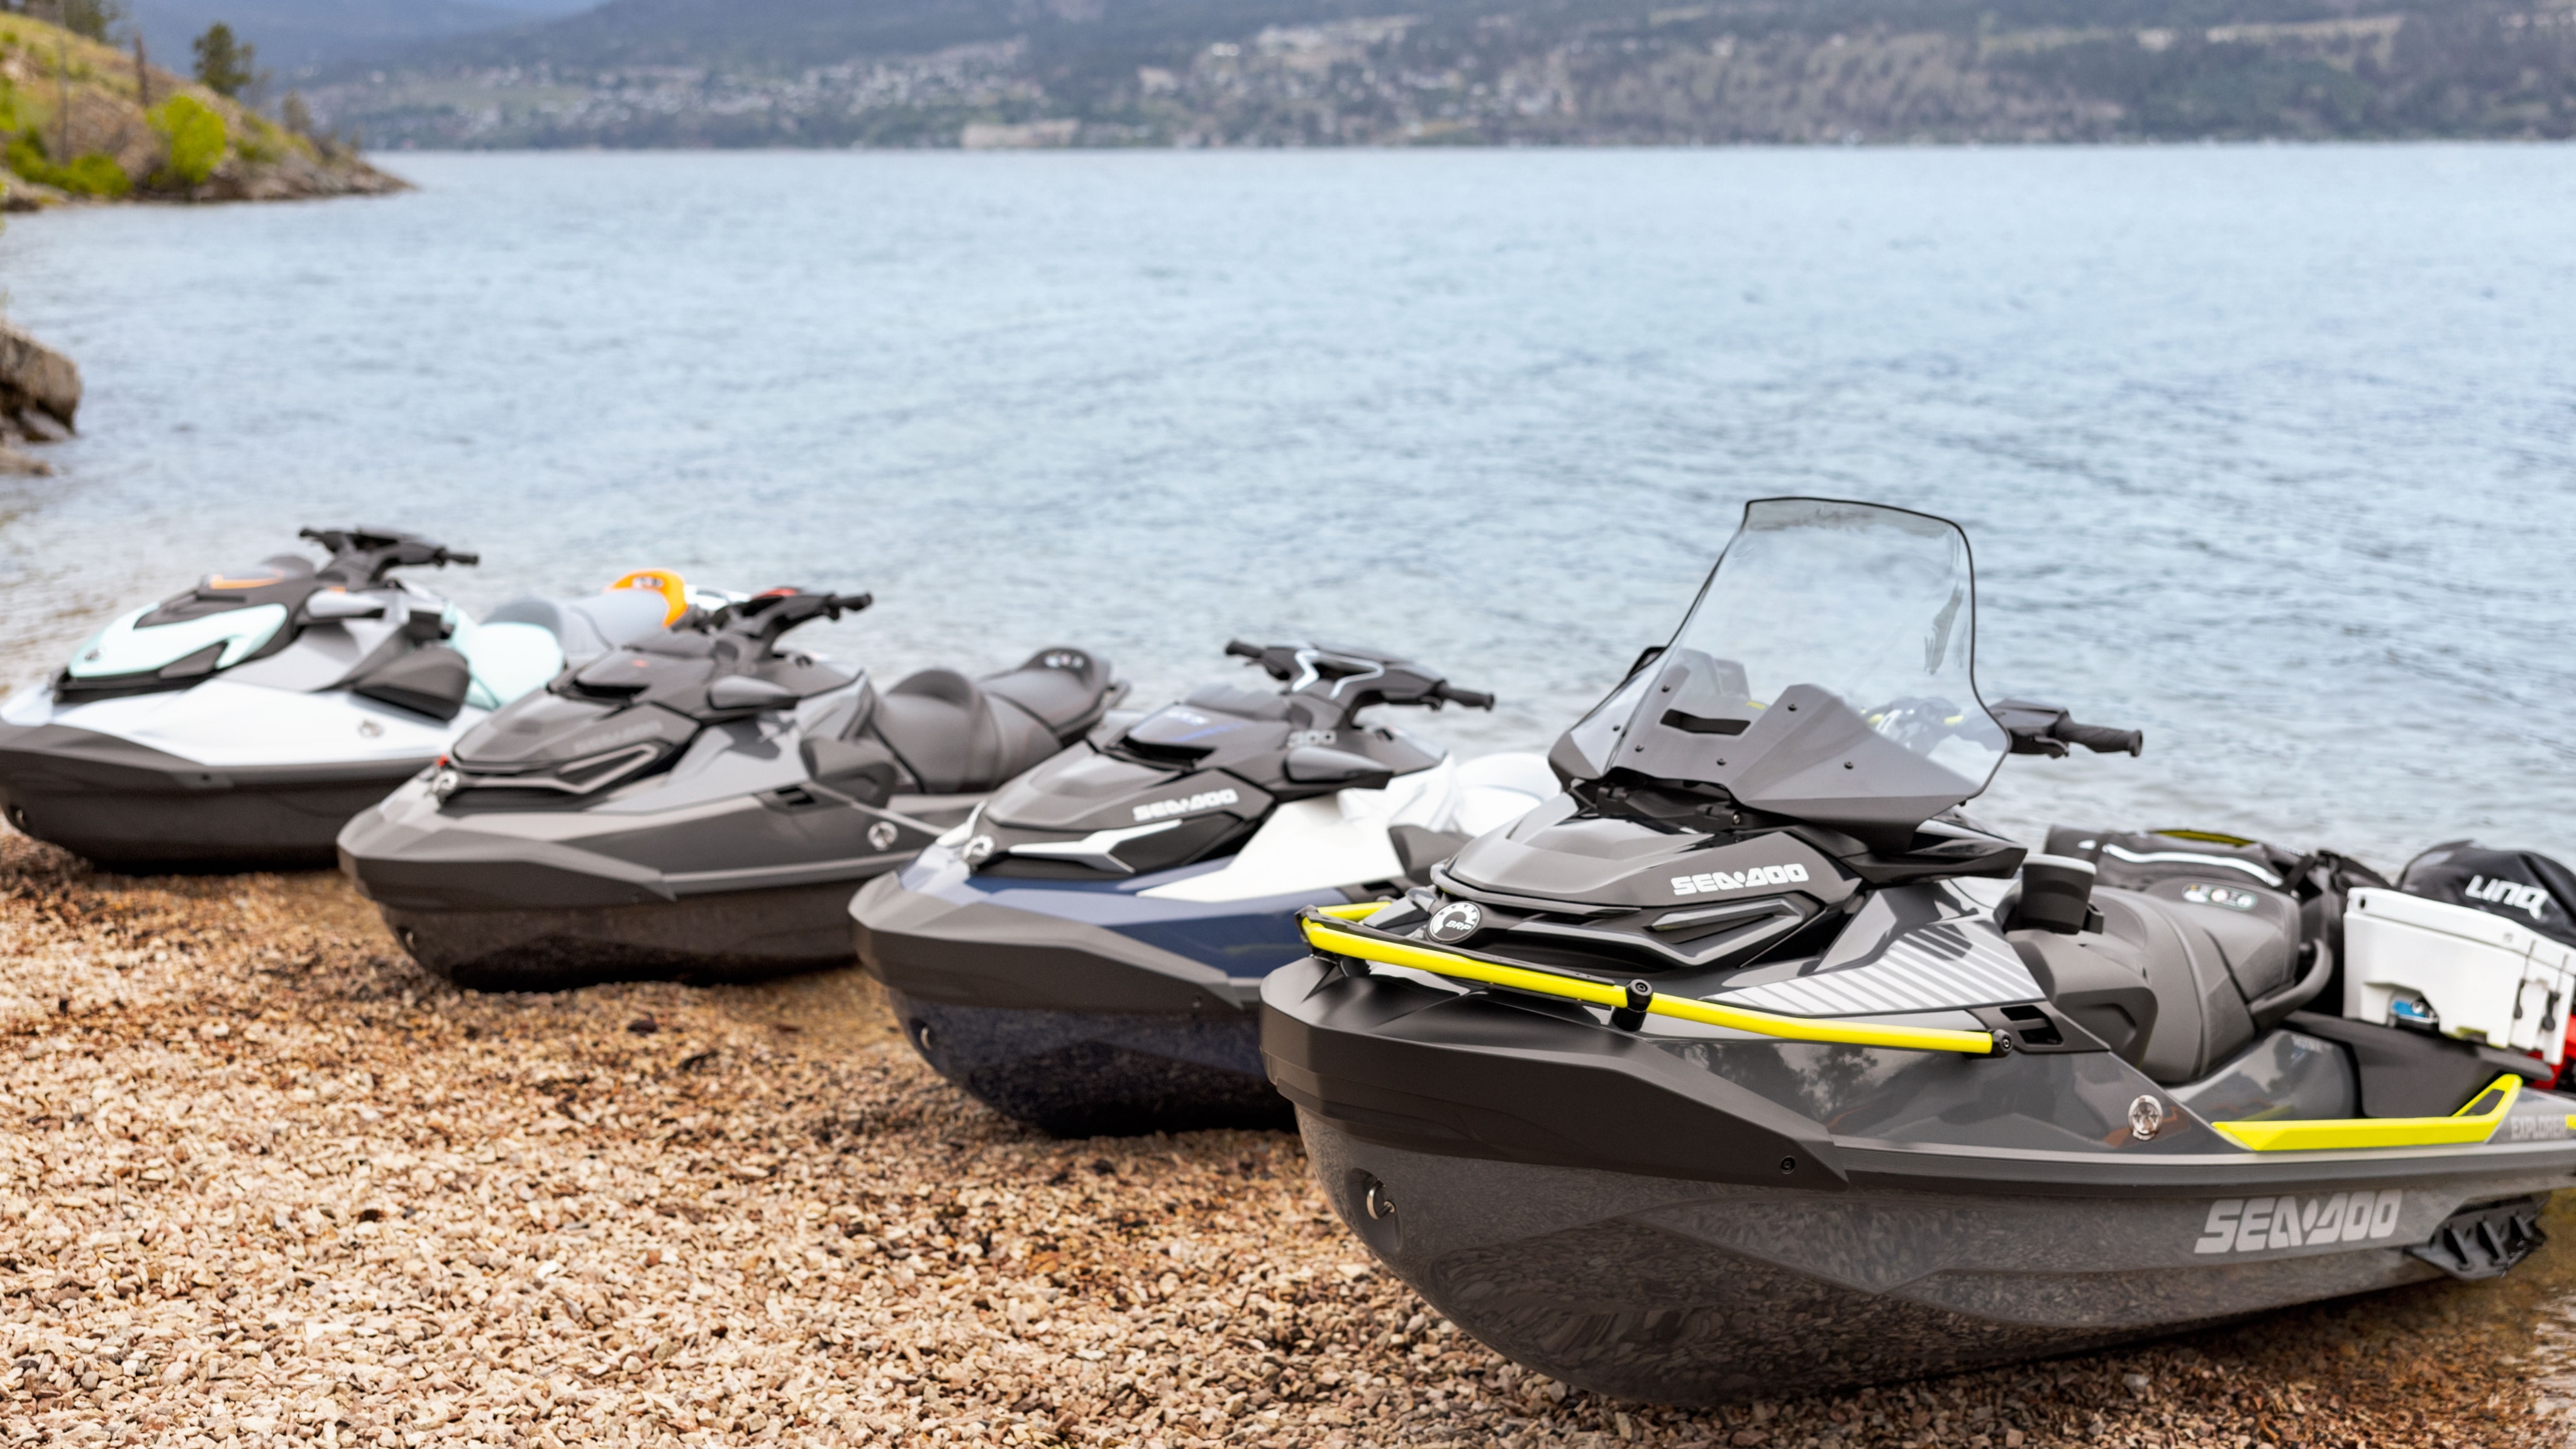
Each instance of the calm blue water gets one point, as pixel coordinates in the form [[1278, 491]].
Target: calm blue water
[[2269, 451]]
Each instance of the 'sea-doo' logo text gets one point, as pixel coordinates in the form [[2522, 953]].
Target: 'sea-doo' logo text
[[2244, 1225], [1203, 800], [611, 739], [2529, 898], [1738, 880]]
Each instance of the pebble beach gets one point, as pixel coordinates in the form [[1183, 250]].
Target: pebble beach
[[262, 1180]]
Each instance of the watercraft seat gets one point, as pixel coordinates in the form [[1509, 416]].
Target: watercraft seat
[[2176, 981], [592, 625], [955, 736], [1066, 689]]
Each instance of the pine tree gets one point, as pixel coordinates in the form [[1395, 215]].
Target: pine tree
[[223, 63], [93, 18]]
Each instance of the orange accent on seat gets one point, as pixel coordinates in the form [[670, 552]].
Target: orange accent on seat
[[674, 593], [218, 581]]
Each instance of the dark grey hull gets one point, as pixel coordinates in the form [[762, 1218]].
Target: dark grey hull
[[134, 808], [1697, 1218], [734, 890], [1674, 1291], [1082, 1012], [742, 936], [1100, 1073]]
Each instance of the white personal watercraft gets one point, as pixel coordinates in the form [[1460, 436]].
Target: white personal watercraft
[[1086, 954], [239, 724]]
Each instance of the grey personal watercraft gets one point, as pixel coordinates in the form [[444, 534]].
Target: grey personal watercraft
[[241, 723], [699, 804], [1086, 953], [1750, 1065]]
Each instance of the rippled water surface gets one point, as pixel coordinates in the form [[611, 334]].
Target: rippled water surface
[[2269, 451]]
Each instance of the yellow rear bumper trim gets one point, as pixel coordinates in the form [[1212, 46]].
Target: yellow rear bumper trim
[[1325, 938], [2467, 1125]]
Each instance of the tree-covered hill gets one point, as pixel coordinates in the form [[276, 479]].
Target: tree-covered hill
[[1322, 72]]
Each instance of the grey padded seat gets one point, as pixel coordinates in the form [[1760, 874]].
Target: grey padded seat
[[956, 738], [2198, 966], [592, 624], [1065, 689]]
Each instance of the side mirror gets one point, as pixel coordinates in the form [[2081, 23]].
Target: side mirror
[[1316, 765], [741, 691], [333, 604]]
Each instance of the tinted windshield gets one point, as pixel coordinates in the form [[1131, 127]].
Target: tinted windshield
[[1826, 671]]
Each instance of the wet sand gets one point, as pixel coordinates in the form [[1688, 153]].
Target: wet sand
[[262, 1179]]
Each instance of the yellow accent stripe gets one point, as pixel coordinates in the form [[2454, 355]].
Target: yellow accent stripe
[[1762, 1023], [1356, 910], [2461, 1126]]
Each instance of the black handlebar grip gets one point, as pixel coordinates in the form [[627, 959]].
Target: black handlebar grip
[[1466, 698], [2100, 740], [851, 603], [459, 558], [1240, 650]]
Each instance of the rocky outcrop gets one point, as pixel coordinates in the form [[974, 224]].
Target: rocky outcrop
[[40, 393], [84, 122]]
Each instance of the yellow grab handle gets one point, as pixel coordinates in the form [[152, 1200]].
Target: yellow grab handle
[[674, 592], [2318, 1134], [1325, 938]]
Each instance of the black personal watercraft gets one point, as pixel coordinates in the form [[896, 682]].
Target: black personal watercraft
[[241, 723], [1749, 1065], [699, 804], [1086, 953]]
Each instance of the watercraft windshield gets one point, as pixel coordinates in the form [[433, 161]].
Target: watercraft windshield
[[1826, 672]]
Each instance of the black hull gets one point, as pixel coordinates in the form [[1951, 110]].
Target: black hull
[[1100, 1073], [733, 937], [1667, 1291], [132, 808]]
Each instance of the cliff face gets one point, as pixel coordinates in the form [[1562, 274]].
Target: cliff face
[[82, 121]]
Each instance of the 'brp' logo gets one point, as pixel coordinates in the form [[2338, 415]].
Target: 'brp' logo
[[1455, 921]]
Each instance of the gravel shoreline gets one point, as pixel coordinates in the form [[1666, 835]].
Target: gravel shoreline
[[261, 1180]]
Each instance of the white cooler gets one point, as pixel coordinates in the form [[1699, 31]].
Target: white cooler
[[2483, 978]]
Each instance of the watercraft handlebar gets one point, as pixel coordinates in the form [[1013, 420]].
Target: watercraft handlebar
[[366, 555], [1353, 678], [2046, 729]]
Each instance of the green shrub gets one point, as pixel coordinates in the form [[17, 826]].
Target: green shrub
[[194, 135], [90, 175]]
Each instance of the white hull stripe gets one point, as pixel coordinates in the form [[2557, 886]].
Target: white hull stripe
[[2186, 857], [1939, 967]]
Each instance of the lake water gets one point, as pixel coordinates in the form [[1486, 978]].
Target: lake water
[[2269, 451]]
